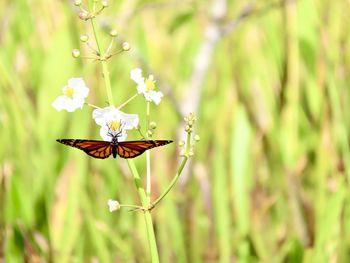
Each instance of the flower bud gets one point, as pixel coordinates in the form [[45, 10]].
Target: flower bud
[[150, 133], [113, 33], [84, 38], [113, 205], [75, 53], [77, 2], [181, 144], [126, 46], [183, 152], [153, 125], [104, 3], [83, 15], [190, 153], [197, 138]]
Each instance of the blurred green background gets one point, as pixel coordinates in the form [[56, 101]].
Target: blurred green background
[[270, 178]]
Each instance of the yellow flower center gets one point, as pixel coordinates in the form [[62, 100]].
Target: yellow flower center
[[69, 92], [150, 83], [114, 125]]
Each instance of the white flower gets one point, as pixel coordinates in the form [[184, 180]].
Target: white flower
[[113, 121], [146, 87], [73, 97], [113, 205]]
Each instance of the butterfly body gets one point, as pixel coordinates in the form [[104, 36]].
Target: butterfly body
[[103, 149]]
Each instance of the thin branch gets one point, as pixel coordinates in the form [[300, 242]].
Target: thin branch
[[248, 12]]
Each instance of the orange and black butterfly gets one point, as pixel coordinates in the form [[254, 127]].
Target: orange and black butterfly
[[103, 149]]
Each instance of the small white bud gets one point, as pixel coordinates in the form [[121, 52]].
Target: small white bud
[[83, 15], [126, 46], [113, 205], [197, 138], [84, 38], [113, 33], [75, 53], [153, 125], [181, 143], [104, 3]]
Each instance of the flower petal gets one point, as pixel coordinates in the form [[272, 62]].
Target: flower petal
[[65, 103], [130, 121], [156, 96], [99, 115], [75, 82], [141, 88], [136, 75]]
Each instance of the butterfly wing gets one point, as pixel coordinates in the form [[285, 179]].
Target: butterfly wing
[[96, 149], [131, 149]]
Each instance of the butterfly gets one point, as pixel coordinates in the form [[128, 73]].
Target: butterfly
[[103, 149]]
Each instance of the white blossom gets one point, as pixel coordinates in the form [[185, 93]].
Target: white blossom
[[73, 97], [114, 121], [146, 87]]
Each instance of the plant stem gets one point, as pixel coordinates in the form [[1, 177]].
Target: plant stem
[[126, 102], [178, 173], [148, 219], [103, 62], [148, 155], [172, 183], [135, 207]]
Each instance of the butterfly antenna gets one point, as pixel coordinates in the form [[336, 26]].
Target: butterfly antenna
[[140, 132], [109, 133], [120, 130]]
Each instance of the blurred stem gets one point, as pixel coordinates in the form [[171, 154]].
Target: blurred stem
[[291, 119], [145, 203], [103, 62], [148, 156]]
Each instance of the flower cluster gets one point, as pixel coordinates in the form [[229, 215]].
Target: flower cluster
[[111, 119], [187, 146]]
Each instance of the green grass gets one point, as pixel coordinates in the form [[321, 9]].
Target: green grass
[[270, 178]]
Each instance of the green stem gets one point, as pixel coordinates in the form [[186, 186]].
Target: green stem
[[178, 173], [103, 62], [126, 102], [148, 155], [147, 213], [107, 82], [136, 207], [172, 183]]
